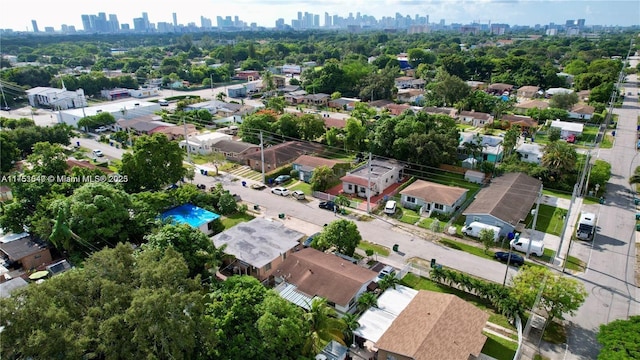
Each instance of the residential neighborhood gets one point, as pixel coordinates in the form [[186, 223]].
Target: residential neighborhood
[[406, 203]]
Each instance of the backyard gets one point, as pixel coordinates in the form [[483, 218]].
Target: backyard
[[234, 219], [550, 219]]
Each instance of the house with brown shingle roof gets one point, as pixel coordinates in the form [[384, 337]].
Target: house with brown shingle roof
[[71, 163], [397, 109], [499, 88], [432, 197], [531, 104], [582, 112], [234, 150], [421, 325], [306, 164], [505, 203], [477, 119], [526, 123], [279, 155], [440, 111], [310, 273], [528, 92]]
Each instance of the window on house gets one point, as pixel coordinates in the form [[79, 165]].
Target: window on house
[[438, 206], [476, 218], [350, 187], [411, 199], [267, 267]]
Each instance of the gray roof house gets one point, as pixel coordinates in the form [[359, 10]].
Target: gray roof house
[[433, 197], [257, 247], [234, 150], [505, 203]]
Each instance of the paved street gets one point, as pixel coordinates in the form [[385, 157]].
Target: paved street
[[609, 277]]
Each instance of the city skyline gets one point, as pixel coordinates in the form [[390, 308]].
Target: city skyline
[[265, 12]]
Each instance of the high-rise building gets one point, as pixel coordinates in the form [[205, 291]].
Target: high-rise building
[[581, 23], [327, 20], [205, 23], [86, 23], [139, 24], [175, 20], [114, 24], [280, 24], [35, 26]]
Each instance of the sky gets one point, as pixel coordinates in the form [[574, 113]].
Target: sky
[[265, 12]]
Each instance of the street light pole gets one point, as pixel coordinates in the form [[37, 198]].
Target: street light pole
[[506, 271]]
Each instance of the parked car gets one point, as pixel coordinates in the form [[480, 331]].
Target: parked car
[[390, 207], [100, 129], [571, 138], [258, 186], [387, 270], [6, 108], [309, 240], [280, 191], [329, 205], [282, 179], [163, 102], [298, 195], [516, 259], [98, 153]]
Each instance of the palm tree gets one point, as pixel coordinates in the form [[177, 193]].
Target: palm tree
[[324, 326], [559, 157], [351, 323], [268, 83], [366, 301], [388, 281]]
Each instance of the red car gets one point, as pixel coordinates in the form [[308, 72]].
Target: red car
[[571, 138]]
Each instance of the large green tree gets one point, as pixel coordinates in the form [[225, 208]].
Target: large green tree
[[155, 162], [560, 295], [118, 305], [343, 234], [620, 339], [324, 326], [559, 158]]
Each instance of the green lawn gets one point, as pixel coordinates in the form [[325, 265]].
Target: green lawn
[[499, 348], [557, 193], [467, 248], [233, 220], [550, 219], [303, 186], [451, 179], [409, 216], [607, 142], [365, 245], [426, 223], [573, 263]]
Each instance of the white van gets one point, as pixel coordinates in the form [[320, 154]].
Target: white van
[[474, 228], [586, 226], [163, 102], [522, 245]]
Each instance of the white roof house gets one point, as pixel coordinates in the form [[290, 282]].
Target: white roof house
[[57, 99], [530, 152], [120, 110], [556, 91], [375, 321], [203, 143], [568, 128]]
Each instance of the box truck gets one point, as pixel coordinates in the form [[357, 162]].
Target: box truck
[[475, 227], [586, 226]]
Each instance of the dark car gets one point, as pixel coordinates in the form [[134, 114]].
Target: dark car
[[516, 259], [309, 240], [6, 108], [329, 205], [282, 179]]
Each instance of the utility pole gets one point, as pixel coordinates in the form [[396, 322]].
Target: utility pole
[[211, 80], [186, 139], [369, 185], [262, 156], [535, 220]]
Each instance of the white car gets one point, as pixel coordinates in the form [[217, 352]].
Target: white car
[[101, 129], [98, 153], [390, 207], [387, 270], [280, 191]]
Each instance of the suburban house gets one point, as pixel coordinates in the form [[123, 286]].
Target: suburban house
[[584, 95], [305, 164], [500, 89], [57, 99], [531, 104], [432, 197], [249, 75], [379, 105], [555, 91], [24, 250], [491, 146], [528, 92], [410, 95], [451, 112], [203, 143], [409, 82], [236, 91], [421, 325], [234, 150], [311, 273], [143, 125], [582, 112], [196, 217], [318, 100], [568, 128], [330, 122], [256, 247], [477, 119], [279, 155], [397, 109], [221, 108], [505, 203], [85, 164], [526, 123], [295, 97], [530, 152], [343, 103], [378, 175], [177, 132], [130, 109]]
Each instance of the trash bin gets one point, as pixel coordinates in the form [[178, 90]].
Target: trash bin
[[256, 207], [206, 173], [637, 227], [601, 200], [201, 171], [433, 263], [110, 143], [281, 216], [395, 247], [78, 143], [244, 184]]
